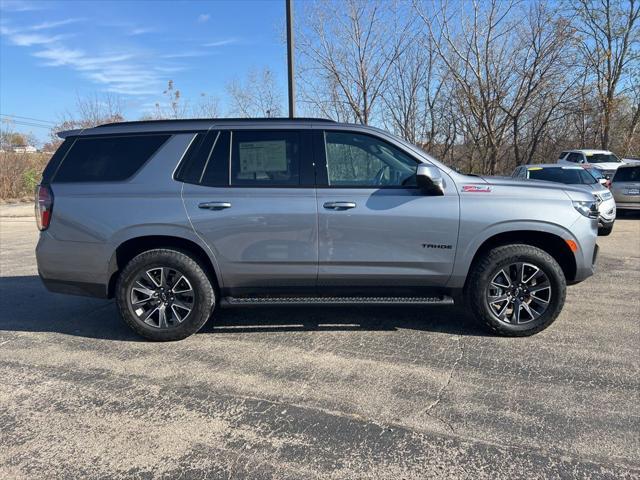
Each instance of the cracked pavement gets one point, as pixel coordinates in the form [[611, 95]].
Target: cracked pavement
[[319, 392]]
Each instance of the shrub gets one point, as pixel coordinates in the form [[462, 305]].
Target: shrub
[[20, 173]]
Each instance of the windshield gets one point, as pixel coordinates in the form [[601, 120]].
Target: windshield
[[627, 174], [569, 176], [602, 158]]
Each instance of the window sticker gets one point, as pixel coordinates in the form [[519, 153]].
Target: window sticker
[[269, 156]]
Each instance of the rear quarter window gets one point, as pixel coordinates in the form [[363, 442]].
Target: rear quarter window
[[108, 158]]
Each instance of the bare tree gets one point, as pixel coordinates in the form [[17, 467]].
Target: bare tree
[[207, 107], [347, 50], [257, 96], [610, 36], [175, 107]]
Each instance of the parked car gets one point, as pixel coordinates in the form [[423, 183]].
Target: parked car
[[603, 160], [578, 176], [598, 175], [177, 218], [626, 187]]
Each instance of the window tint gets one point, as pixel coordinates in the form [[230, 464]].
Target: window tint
[[265, 158], [571, 175], [355, 160], [602, 158], [627, 174], [109, 158], [206, 160], [574, 157], [54, 163]]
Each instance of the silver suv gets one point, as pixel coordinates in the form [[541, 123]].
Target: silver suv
[[177, 218]]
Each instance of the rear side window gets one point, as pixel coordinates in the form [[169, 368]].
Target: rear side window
[[108, 158], [265, 158], [54, 163], [207, 160]]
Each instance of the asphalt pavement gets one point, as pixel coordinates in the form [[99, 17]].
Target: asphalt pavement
[[300, 393]]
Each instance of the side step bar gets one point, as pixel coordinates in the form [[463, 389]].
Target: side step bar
[[328, 301]]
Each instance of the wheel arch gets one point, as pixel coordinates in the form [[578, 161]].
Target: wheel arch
[[551, 243], [131, 247]]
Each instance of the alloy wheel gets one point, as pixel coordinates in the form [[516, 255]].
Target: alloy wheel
[[519, 293], [162, 297]]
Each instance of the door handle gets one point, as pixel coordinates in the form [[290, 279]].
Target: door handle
[[339, 205], [214, 205]]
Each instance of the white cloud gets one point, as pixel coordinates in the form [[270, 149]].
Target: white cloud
[[221, 43], [20, 5], [57, 23], [141, 31], [187, 54], [203, 17], [29, 39]]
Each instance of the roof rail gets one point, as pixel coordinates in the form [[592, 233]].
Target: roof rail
[[221, 120]]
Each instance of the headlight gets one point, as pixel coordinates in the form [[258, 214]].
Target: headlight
[[588, 209]]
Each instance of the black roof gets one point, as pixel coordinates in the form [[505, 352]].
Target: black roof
[[218, 120]]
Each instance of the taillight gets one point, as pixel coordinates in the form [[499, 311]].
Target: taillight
[[44, 206]]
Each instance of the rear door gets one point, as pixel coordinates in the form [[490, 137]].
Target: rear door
[[250, 195], [376, 228]]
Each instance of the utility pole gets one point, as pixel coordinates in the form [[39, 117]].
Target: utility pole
[[292, 87]]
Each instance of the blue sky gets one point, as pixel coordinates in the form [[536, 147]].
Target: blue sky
[[53, 51]]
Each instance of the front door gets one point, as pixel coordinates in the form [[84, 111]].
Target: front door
[[376, 228], [252, 200]]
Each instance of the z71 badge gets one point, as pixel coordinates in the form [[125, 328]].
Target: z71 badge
[[476, 188]]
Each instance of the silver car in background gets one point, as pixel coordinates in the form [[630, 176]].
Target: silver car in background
[[626, 187], [579, 177]]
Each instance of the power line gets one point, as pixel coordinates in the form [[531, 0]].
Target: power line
[[30, 124], [26, 118]]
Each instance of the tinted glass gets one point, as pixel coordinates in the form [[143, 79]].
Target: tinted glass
[[216, 167], [54, 163], [206, 160], [265, 158], [107, 159], [575, 176], [627, 174], [602, 158], [355, 160], [574, 157]]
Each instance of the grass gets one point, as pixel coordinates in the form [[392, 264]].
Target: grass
[[20, 173]]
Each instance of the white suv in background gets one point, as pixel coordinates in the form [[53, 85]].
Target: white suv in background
[[603, 160]]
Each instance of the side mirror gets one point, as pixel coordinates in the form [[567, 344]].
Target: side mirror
[[429, 179], [603, 181]]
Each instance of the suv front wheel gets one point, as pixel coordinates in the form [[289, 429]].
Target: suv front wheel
[[516, 290], [164, 295]]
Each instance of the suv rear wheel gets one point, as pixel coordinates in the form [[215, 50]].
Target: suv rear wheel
[[163, 295], [516, 290]]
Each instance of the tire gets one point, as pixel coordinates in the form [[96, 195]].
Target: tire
[[604, 231], [171, 288], [488, 281]]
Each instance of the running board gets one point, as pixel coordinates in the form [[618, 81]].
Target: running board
[[328, 301]]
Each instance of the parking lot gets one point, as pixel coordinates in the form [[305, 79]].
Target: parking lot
[[319, 392]]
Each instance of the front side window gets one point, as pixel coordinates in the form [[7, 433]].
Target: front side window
[[265, 158], [574, 157], [107, 158], [356, 160]]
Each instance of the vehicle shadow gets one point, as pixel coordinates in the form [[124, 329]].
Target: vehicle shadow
[[26, 306]]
